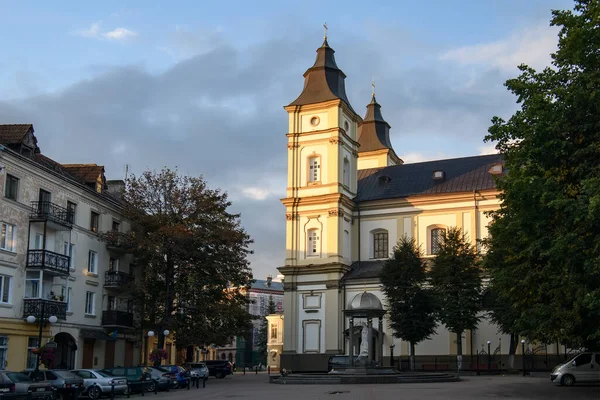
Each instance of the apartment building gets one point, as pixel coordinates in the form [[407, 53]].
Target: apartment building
[[64, 258]]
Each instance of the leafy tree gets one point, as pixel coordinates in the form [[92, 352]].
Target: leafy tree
[[456, 282], [264, 329], [544, 250], [503, 315], [411, 305], [193, 256]]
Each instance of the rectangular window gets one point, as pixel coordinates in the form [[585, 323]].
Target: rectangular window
[[32, 284], [8, 236], [39, 241], [437, 237], [273, 331], [111, 303], [313, 242], [3, 351], [11, 190], [45, 196], [94, 222], [314, 169], [93, 262], [380, 245], [71, 209], [69, 250], [66, 296], [32, 343], [5, 289], [113, 265], [90, 298], [115, 226]]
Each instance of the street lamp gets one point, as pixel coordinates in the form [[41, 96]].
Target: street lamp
[[31, 319], [523, 354], [392, 355], [489, 343]]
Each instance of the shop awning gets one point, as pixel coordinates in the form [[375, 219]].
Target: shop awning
[[95, 334]]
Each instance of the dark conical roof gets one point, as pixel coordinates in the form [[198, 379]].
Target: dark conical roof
[[374, 131], [324, 81]]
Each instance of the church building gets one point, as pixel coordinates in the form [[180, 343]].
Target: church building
[[349, 199]]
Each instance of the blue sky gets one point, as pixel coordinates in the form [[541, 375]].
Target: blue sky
[[201, 84]]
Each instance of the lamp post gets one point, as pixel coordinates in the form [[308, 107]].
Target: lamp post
[[42, 321], [392, 355], [489, 343], [523, 353]]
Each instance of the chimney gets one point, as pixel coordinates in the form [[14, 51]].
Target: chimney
[[269, 280]]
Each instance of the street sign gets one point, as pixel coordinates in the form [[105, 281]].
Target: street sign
[[51, 345]]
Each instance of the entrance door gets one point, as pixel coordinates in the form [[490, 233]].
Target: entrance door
[[128, 354], [88, 354], [109, 354]]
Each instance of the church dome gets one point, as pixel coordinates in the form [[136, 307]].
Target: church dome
[[365, 301]]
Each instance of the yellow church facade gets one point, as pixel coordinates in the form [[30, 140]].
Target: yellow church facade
[[349, 199]]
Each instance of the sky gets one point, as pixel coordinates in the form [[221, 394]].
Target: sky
[[201, 85]]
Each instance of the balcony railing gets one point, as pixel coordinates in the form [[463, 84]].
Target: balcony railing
[[48, 261], [117, 318], [121, 242], [117, 279], [37, 307], [45, 210]]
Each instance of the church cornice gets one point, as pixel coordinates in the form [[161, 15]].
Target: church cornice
[[339, 198], [341, 133], [312, 269], [389, 152], [297, 109]]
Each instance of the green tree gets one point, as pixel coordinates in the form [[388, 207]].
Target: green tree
[[456, 283], [410, 303], [544, 251], [264, 329], [193, 257]]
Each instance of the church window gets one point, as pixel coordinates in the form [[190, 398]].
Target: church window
[[314, 169], [380, 244], [346, 244], [346, 172], [437, 238], [313, 242], [346, 126]]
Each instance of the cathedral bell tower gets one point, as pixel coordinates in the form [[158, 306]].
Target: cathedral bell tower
[[322, 181]]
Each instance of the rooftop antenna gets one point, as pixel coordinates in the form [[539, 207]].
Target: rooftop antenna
[[126, 170]]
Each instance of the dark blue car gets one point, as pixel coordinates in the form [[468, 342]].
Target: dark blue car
[[183, 376]]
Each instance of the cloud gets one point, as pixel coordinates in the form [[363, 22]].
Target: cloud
[[255, 193], [93, 31], [530, 46], [120, 34], [488, 149]]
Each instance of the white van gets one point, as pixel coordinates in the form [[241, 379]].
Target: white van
[[581, 368]]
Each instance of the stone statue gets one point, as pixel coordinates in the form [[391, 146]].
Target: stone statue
[[364, 344]]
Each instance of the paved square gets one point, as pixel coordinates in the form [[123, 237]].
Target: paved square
[[252, 386]]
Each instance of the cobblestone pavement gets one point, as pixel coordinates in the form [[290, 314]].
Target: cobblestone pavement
[[252, 386]]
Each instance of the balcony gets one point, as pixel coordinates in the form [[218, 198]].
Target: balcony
[[114, 318], [117, 279], [46, 211], [37, 307], [48, 261], [118, 242]]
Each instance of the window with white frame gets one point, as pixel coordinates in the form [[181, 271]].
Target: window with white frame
[[380, 244], [313, 243], [437, 238], [32, 284], [113, 265], [32, 344], [67, 295], [5, 289], [93, 262], [3, 351], [69, 250], [8, 236], [90, 300], [346, 173], [39, 241], [314, 169]]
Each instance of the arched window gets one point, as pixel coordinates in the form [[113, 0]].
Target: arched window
[[380, 244], [437, 238], [314, 169], [346, 173], [313, 243]]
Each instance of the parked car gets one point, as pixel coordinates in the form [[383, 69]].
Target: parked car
[[20, 383], [219, 368], [66, 383], [162, 378], [581, 368], [183, 376], [96, 383], [138, 378], [197, 370]]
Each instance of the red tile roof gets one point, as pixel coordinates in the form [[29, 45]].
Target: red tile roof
[[13, 134], [87, 173]]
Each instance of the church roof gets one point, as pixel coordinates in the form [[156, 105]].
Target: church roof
[[374, 131], [259, 284], [458, 175], [365, 301], [364, 269], [324, 81]]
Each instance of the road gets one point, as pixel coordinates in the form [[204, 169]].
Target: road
[[253, 386]]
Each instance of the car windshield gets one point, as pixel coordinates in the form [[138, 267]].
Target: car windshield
[[107, 373], [18, 377], [161, 369], [103, 374], [65, 374]]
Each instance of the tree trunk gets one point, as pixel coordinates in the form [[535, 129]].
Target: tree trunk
[[459, 350], [412, 356], [512, 349]]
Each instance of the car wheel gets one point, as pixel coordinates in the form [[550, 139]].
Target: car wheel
[[151, 386], [94, 392], [567, 380], [127, 391], [174, 384]]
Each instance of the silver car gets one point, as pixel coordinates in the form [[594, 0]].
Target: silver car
[[197, 370], [20, 383], [96, 383], [582, 368]]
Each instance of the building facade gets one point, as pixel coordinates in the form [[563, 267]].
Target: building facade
[[63, 254], [349, 199]]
